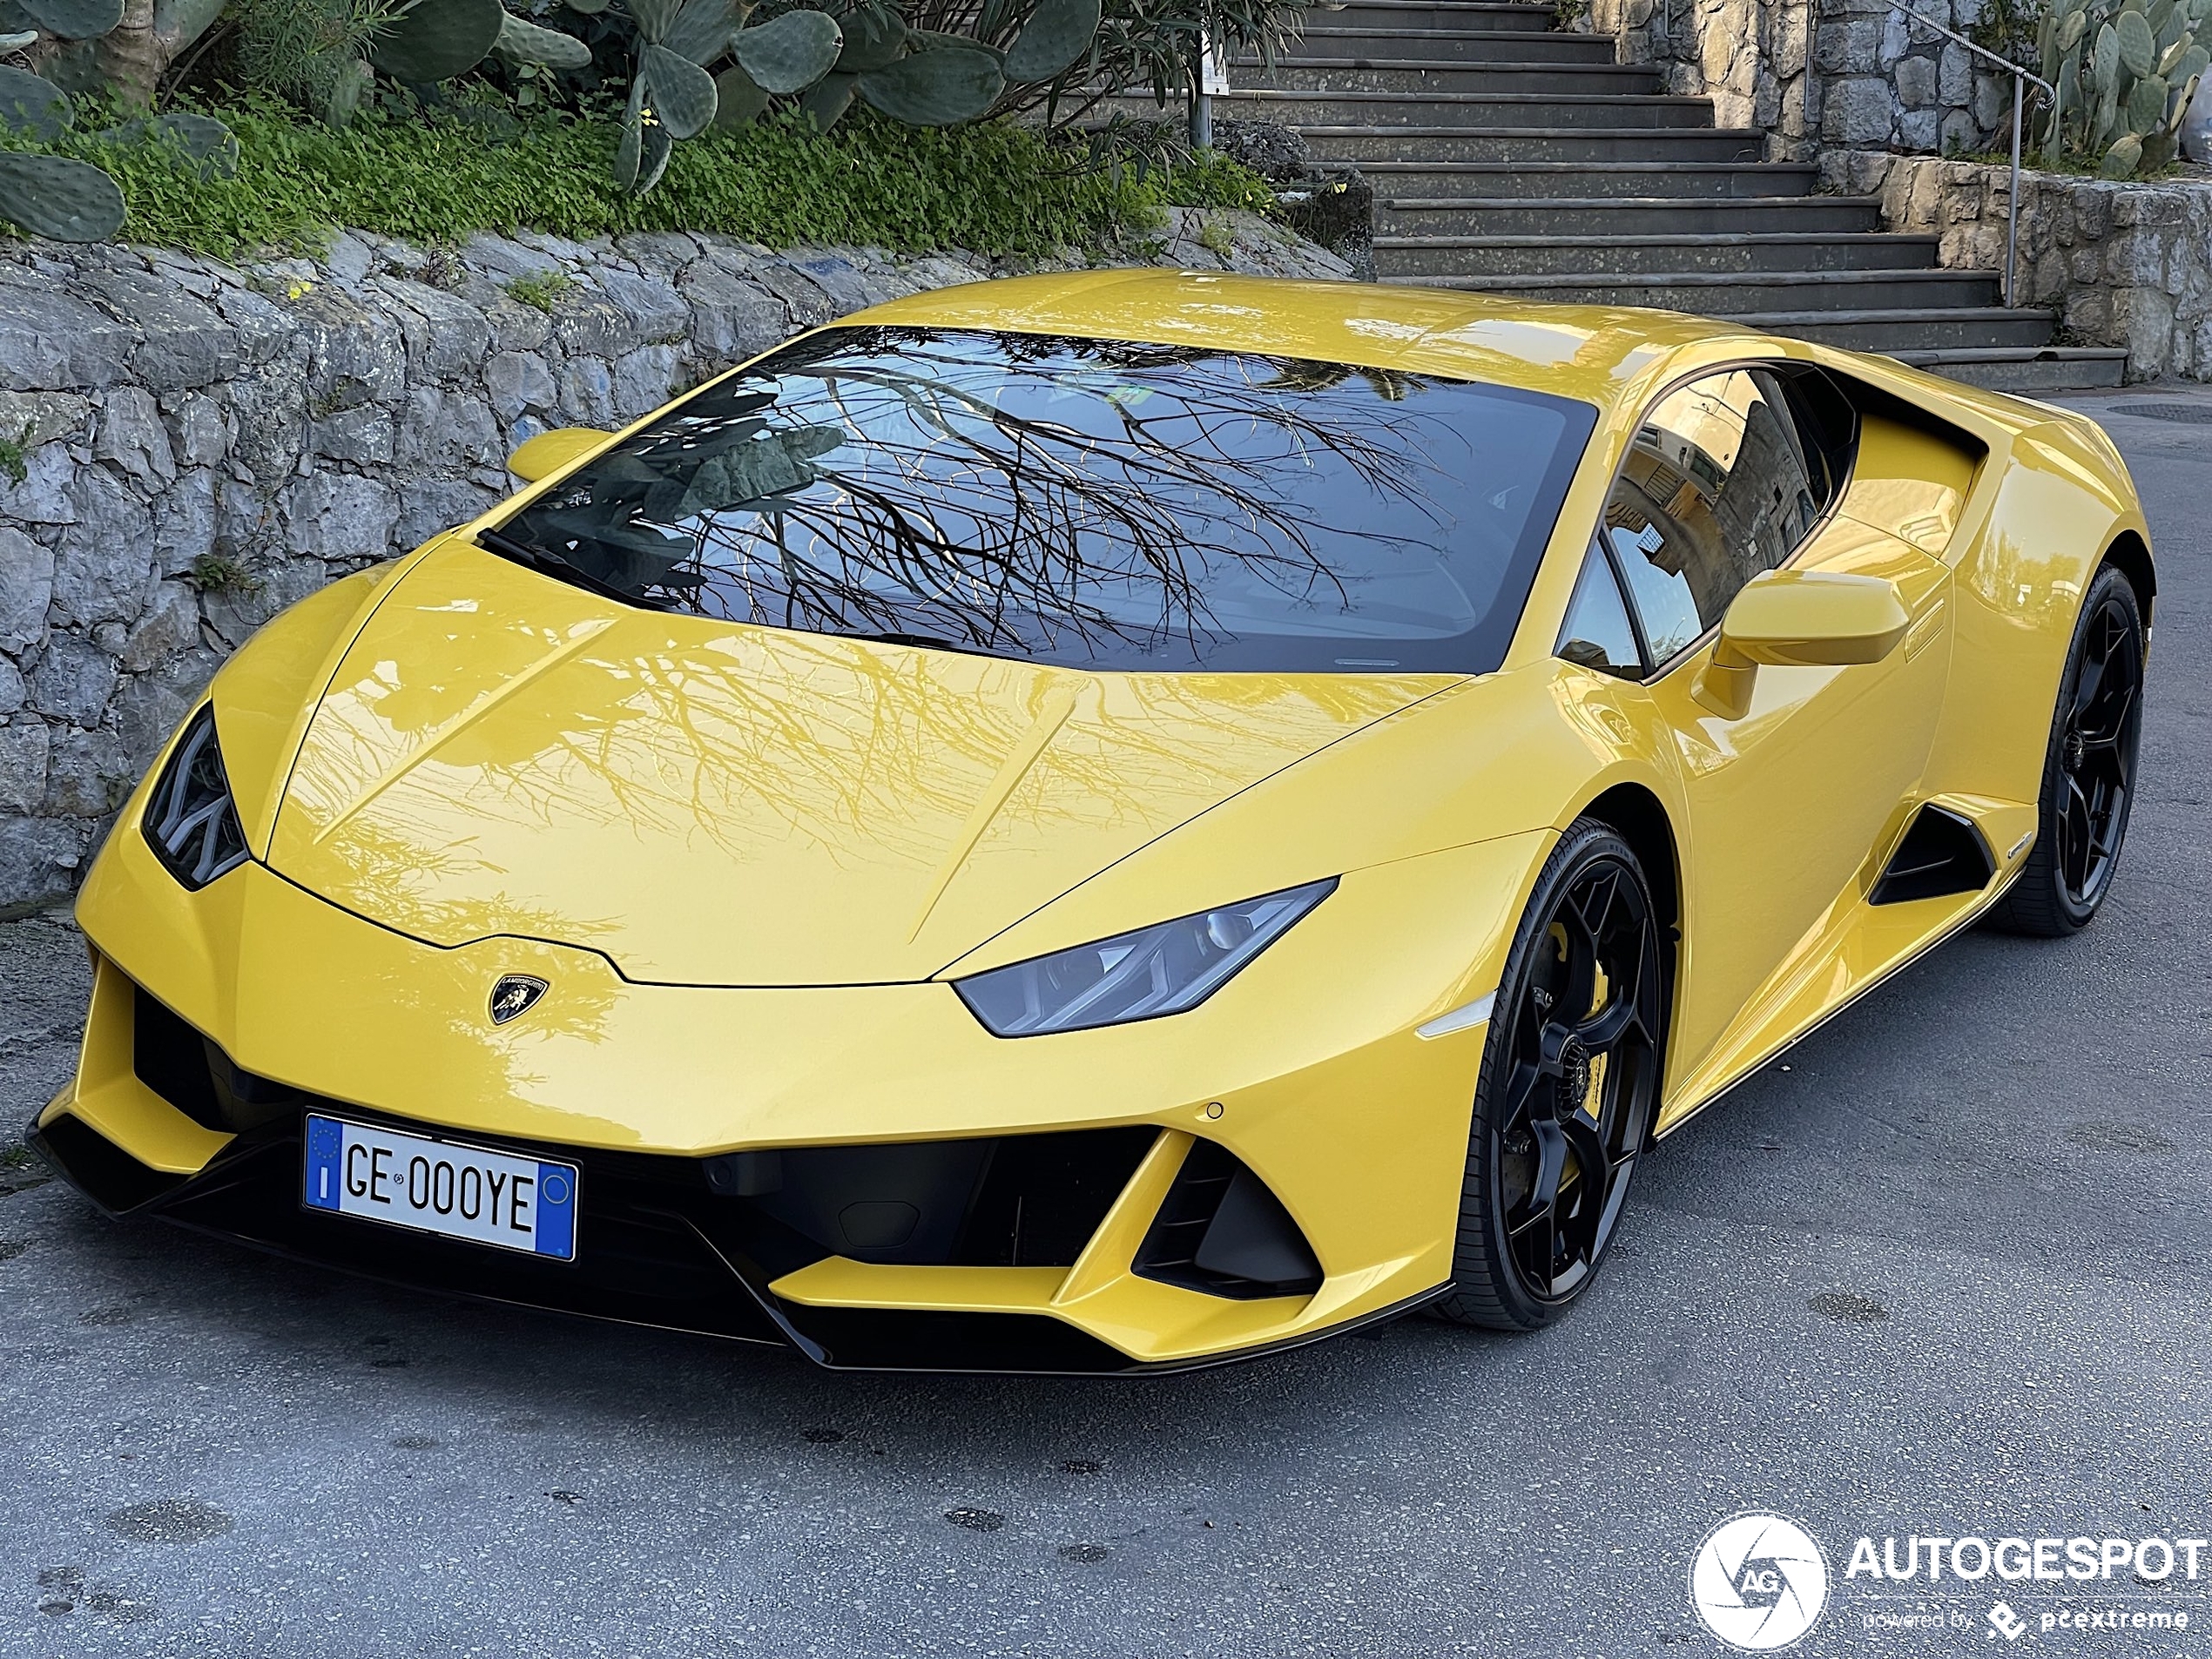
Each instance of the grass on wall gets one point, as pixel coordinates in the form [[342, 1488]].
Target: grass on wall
[[990, 188]]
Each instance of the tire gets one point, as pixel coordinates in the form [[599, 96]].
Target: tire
[[1557, 1097], [2088, 770]]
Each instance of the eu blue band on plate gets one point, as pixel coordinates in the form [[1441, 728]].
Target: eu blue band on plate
[[555, 1211], [326, 1149]]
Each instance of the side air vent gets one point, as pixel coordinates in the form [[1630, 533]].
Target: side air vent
[[1222, 1231], [1942, 854]]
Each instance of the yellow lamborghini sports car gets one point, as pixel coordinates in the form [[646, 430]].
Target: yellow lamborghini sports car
[[1107, 822]]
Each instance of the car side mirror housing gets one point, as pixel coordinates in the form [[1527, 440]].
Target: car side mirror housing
[[547, 453], [1799, 619]]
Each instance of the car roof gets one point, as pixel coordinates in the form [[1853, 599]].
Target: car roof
[[1593, 353]]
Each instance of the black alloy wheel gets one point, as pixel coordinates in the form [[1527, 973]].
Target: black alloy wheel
[[2089, 771], [1569, 1086]]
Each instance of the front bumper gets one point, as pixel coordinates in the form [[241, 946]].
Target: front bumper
[[1318, 1092]]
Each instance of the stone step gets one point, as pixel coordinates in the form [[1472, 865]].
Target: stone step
[[1442, 46], [1433, 111], [2029, 370], [1428, 146], [1404, 183], [1944, 329], [1416, 78], [1602, 216], [1614, 259], [1453, 15], [1728, 293]]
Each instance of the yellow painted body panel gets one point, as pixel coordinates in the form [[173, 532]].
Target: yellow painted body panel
[[749, 859]]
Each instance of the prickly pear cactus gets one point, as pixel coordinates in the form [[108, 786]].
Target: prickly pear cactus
[[927, 78], [71, 201], [74, 201], [2125, 71]]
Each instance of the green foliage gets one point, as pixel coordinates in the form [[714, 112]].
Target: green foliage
[[11, 459], [997, 188], [542, 291], [217, 573], [2125, 71], [309, 51]]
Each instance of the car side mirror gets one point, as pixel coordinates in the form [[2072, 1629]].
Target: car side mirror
[[1799, 619], [547, 453]]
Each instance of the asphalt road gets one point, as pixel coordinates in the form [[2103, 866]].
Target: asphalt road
[[1944, 1272]]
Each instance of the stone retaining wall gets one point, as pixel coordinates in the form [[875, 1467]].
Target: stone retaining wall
[[2127, 265], [187, 446], [1822, 79]]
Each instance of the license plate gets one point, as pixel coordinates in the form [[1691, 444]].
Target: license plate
[[435, 1186]]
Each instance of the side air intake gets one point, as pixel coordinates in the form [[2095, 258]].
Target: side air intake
[[1942, 854]]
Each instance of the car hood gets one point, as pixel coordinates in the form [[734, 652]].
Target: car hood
[[711, 804]]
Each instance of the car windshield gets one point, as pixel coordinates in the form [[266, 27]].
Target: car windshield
[[1092, 504]]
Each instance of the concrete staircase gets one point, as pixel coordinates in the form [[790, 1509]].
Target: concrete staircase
[[1510, 157]]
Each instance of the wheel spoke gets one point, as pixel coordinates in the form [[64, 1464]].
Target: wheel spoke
[[1524, 1086], [1539, 1222], [1581, 1137], [1609, 1024], [2075, 840]]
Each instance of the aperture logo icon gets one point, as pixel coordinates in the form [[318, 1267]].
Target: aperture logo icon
[[1758, 1581]]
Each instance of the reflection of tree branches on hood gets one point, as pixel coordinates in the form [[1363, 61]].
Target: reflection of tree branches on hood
[[993, 522]]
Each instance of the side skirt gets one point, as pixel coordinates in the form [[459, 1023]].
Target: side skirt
[[1942, 936]]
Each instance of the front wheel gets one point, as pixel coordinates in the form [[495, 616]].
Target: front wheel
[[2088, 769], [1568, 1085]]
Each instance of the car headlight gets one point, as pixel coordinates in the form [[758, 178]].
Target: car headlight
[[1165, 969], [190, 820]]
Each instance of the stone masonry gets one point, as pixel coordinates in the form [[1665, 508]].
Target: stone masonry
[[2127, 265], [186, 447], [1822, 79]]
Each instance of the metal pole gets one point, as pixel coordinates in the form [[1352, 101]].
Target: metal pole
[[1202, 95], [2013, 201], [2020, 79]]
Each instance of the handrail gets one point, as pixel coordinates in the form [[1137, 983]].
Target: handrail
[[2020, 77]]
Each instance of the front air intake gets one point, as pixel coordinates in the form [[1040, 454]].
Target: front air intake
[[1222, 1231]]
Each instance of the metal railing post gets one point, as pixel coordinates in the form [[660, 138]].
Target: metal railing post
[[2012, 196], [2022, 79]]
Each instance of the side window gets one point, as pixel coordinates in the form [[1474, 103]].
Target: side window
[[1716, 487], [1597, 632]]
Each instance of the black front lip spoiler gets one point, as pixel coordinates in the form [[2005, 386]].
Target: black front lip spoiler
[[124, 1188]]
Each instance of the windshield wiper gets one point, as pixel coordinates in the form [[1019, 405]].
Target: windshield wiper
[[545, 561]]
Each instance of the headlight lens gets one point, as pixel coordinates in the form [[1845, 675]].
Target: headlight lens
[[1166, 969], [189, 819]]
